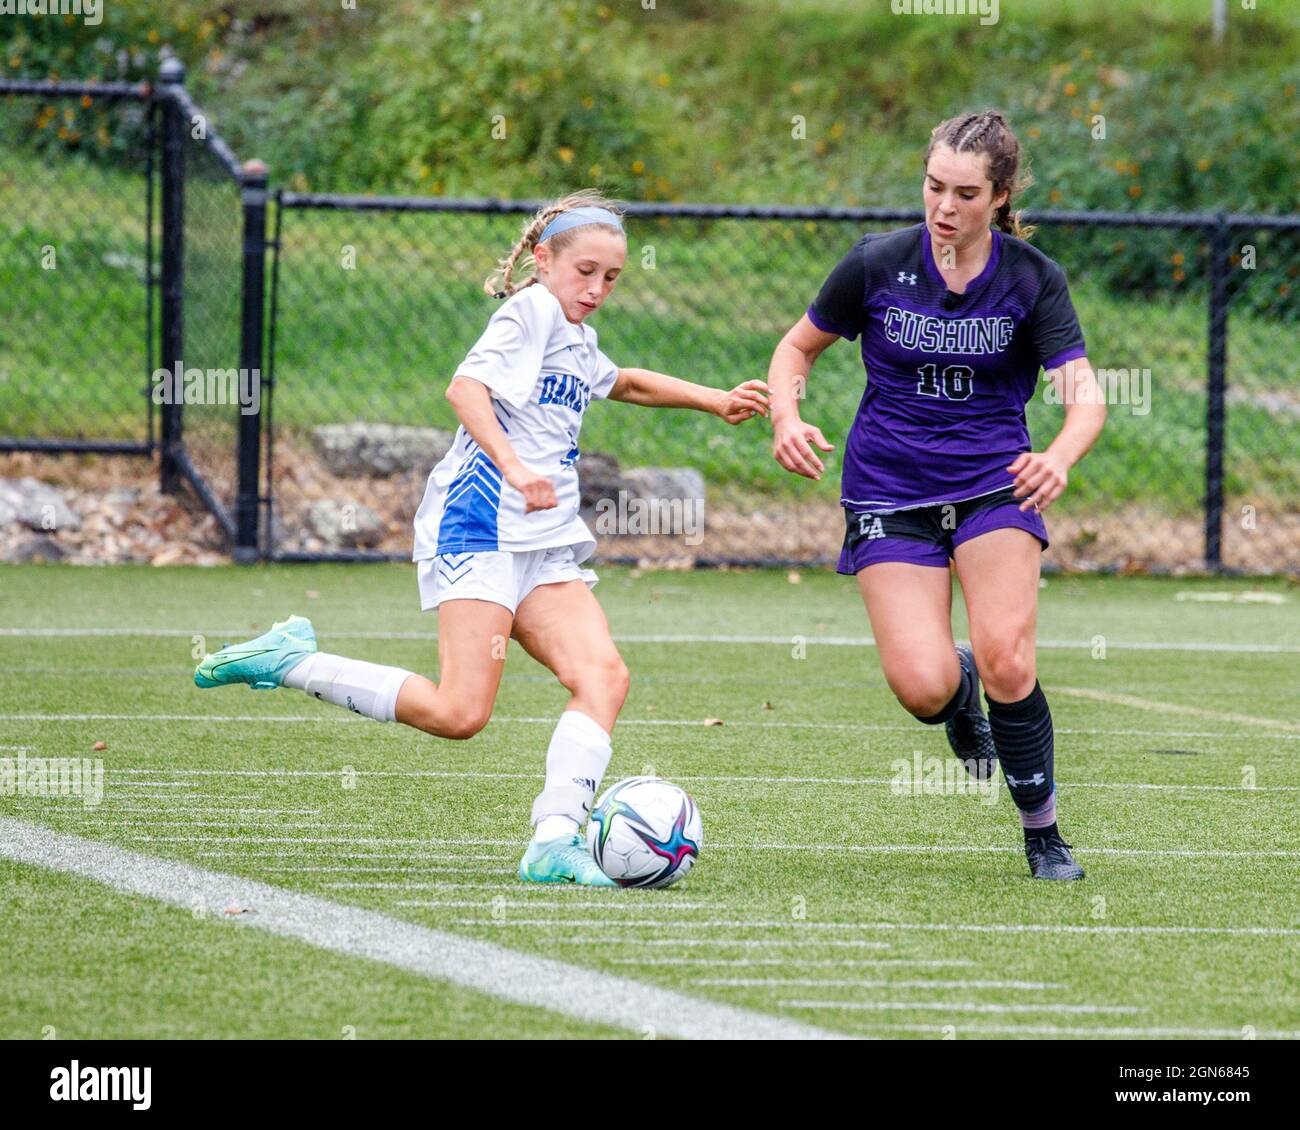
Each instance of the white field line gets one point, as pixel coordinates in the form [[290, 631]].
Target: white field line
[[485, 967], [637, 637], [334, 718], [855, 983], [414, 858], [116, 808], [1173, 708], [1052, 1030], [564, 892], [405, 870], [870, 849], [309, 826], [146, 785], [116, 791], [415, 774], [957, 1006], [745, 943], [981, 928], [564, 902], [834, 963]]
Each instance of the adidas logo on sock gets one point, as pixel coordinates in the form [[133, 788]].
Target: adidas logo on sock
[[586, 782]]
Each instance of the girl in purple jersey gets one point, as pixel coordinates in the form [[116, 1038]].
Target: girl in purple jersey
[[956, 318]]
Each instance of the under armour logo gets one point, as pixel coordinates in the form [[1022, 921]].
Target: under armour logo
[[903, 276], [1036, 779]]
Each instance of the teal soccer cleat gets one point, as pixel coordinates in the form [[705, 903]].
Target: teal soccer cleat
[[261, 663], [565, 860]]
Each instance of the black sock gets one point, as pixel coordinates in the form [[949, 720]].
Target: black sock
[[1044, 833], [962, 692], [1022, 732]]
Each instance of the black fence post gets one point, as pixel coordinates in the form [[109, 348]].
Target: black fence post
[[172, 75], [253, 194], [1216, 391]]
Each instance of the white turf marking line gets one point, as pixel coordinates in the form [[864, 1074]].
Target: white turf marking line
[[581, 994], [979, 928], [475, 774], [1173, 708], [412, 857], [1051, 1030], [635, 637], [853, 983], [748, 943], [333, 718], [834, 963], [959, 1006], [309, 826], [883, 849], [116, 808], [534, 904], [154, 784], [407, 869]]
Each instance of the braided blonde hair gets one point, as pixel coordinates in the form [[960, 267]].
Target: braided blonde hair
[[500, 283], [989, 133]]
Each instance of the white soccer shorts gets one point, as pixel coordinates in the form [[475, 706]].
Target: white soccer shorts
[[500, 576]]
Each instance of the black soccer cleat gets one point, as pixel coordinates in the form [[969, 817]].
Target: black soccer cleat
[[1049, 858], [968, 730]]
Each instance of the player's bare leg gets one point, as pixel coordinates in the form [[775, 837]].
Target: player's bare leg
[[999, 573], [563, 627], [910, 608], [472, 638]]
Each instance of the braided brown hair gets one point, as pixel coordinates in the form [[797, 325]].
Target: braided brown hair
[[989, 133], [500, 284]]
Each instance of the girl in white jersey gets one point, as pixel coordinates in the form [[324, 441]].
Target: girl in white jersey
[[499, 544]]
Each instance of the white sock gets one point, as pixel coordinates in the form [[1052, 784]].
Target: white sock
[[364, 688], [575, 763]]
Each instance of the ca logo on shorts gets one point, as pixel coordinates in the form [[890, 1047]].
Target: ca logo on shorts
[[869, 527]]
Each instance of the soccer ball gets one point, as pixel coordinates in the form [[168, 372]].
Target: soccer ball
[[645, 832]]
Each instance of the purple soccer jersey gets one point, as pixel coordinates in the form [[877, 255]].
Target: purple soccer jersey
[[948, 375]]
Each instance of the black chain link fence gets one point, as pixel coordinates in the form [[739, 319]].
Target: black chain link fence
[[78, 180], [378, 301], [125, 220], [132, 240]]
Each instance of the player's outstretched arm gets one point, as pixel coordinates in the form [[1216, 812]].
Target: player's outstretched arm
[[659, 390], [473, 404], [787, 377], [1041, 476]]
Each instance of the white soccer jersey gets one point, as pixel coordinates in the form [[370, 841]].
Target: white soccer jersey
[[542, 371]]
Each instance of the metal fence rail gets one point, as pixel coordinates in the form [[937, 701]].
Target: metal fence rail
[[378, 298]]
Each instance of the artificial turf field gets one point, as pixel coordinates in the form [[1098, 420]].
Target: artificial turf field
[[824, 899]]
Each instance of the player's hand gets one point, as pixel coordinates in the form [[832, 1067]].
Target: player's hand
[[743, 402], [792, 447], [1040, 479], [538, 490]]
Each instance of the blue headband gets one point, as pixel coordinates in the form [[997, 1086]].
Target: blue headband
[[576, 217]]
